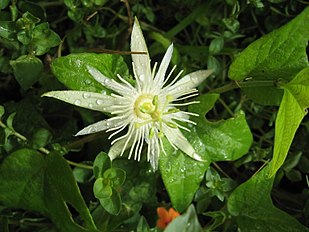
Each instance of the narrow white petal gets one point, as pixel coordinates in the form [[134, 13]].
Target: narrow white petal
[[179, 140], [141, 61], [98, 126], [118, 148], [109, 83], [159, 78], [188, 82], [153, 152], [89, 100]]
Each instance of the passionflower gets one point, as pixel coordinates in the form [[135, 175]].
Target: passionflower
[[147, 111]]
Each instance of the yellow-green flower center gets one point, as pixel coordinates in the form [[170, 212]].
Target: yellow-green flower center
[[145, 106]]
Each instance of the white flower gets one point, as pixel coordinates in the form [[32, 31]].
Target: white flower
[[147, 109]]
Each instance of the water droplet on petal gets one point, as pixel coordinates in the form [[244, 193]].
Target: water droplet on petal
[[86, 95], [77, 102], [99, 102], [90, 105], [142, 77]]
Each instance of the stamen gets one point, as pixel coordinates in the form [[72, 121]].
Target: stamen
[[127, 141], [162, 147], [190, 113], [170, 124], [140, 124], [154, 70], [186, 97], [139, 146], [185, 104], [169, 75], [182, 127], [171, 111], [138, 84], [125, 82], [119, 129], [184, 120], [133, 144], [151, 132], [124, 136], [173, 81]]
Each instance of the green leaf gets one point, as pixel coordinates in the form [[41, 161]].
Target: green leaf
[[142, 225], [59, 173], [186, 222], [182, 176], [116, 175], [27, 70], [82, 175], [8, 30], [32, 182], [4, 4], [72, 70], [44, 39], [280, 54], [21, 180], [41, 138], [214, 141], [216, 45], [101, 163], [252, 206], [291, 112], [2, 111], [102, 188], [112, 204], [10, 120], [222, 140]]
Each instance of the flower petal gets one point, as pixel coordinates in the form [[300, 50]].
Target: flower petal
[[118, 147], [100, 126], [188, 82], [159, 78], [141, 62], [153, 152], [89, 100], [175, 136], [110, 83]]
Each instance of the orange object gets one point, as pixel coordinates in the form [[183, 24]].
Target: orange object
[[165, 217]]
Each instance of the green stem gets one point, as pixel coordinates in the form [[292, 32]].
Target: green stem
[[80, 165], [42, 149], [243, 84]]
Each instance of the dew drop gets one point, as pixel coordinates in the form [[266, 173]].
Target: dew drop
[[99, 102], [86, 95], [90, 105], [142, 77], [77, 102]]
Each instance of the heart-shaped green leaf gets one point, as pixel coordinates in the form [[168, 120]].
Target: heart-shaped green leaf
[[252, 206], [72, 70], [291, 112], [280, 54], [213, 141]]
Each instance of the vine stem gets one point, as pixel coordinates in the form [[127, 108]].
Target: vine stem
[[242, 84], [43, 149]]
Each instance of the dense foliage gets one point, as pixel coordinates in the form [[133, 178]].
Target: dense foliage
[[252, 127]]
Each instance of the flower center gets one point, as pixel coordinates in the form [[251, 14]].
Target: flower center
[[145, 106]]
